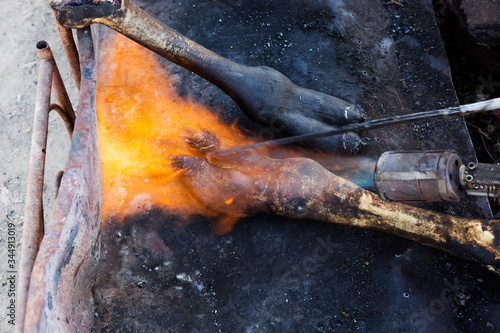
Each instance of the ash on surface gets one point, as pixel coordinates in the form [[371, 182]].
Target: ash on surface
[[274, 275]]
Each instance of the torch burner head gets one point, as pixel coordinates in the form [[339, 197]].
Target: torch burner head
[[419, 176]]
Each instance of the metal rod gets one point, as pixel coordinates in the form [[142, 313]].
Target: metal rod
[[33, 228], [68, 121], [463, 110], [60, 92], [69, 44]]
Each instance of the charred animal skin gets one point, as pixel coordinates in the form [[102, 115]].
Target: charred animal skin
[[301, 188], [264, 94], [325, 197]]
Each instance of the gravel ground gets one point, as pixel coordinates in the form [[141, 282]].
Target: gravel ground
[[22, 24]]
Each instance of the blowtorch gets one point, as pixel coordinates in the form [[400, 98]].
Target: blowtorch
[[418, 176], [432, 176]]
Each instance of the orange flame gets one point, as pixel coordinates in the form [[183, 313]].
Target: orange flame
[[142, 124]]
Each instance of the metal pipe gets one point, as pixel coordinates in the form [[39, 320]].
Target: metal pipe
[[69, 122], [127, 18], [69, 44], [33, 228], [59, 91]]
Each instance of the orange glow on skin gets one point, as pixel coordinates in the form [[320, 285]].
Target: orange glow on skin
[[142, 124]]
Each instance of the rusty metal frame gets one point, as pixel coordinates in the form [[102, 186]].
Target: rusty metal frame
[[59, 260], [49, 80]]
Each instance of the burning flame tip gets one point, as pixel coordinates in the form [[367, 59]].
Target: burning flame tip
[[143, 126]]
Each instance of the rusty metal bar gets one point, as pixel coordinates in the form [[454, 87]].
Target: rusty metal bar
[[69, 44], [69, 121], [33, 229], [60, 93]]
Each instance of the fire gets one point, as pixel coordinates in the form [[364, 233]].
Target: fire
[[143, 122]]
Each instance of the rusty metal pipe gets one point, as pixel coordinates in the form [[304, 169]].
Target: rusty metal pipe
[[33, 229], [69, 121], [264, 94], [60, 93], [69, 45]]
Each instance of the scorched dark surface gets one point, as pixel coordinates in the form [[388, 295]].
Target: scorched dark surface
[[159, 274]]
